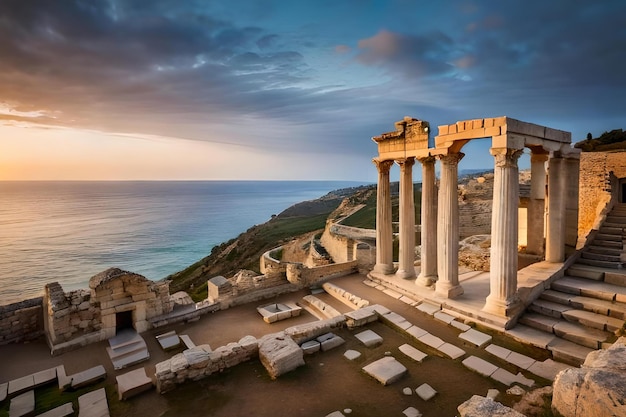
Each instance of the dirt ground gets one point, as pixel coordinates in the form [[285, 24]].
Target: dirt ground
[[328, 382]]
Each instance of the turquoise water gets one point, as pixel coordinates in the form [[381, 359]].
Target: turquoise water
[[70, 231]]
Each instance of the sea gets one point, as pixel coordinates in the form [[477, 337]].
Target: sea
[[69, 231]]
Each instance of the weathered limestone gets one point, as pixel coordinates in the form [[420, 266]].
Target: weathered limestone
[[369, 338], [93, 404], [279, 354], [428, 271], [22, 405], [537, 205], [448, 229], [384, 231], [406, 255], [557, 184], [386, 370], [598, 388], [132, 383], [478, 406]]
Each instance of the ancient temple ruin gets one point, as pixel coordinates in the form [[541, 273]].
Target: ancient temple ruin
[[554, 196]]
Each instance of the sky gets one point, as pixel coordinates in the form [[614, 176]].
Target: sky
[[288, 90]]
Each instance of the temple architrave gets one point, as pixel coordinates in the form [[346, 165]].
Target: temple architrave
[[554, 197]]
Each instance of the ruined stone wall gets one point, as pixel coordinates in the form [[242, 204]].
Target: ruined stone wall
[[200, 362], [271, 267], [475, 206], [320, 274], [69, 315], [22, 321], [596, 189], [345, 244]]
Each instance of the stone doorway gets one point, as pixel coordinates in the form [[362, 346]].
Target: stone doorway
[[124, 320]]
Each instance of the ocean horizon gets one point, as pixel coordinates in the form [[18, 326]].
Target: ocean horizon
[[68, 231]]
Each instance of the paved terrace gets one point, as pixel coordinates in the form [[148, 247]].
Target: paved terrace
[[446, 362]]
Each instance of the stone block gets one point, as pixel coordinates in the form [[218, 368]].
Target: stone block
[[279, 354], [22, 405], [369, 338], [88, 377], [44, 377], [352, 354], [411, 412], [431, 340], [441, 316], [4, 391], [480, 365], [132, 383], [453, 352], [475, 337], [311, 347], [93, 404], [197, 358], [22, 384], [413, 353], [478, 406], [416, 331], [428, 308], [64, 410], [386, 370], [425, 392], [332, 343]]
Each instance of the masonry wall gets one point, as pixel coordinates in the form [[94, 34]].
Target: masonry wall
[[598, 186], [22, 321], [70, 315]]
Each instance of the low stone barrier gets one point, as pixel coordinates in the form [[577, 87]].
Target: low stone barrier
[[199, 362], [351, 300], [21, 321]]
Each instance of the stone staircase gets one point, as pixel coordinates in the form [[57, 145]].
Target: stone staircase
[[127, 348], [585, 307]]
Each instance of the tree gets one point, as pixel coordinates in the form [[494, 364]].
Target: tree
[[589, 136]]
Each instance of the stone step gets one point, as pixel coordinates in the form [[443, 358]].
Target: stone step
[[612, 238], [616, 218], [603, 264], [123, 338], [616, 277], [600, 256], [588, 288], [603, 250], [593, 320], [608, 308], [611, 230], [586, 271], [130, 359], [539, 322], [549, 308], [126, 348], [618, 224], [582, 335], [568, 352], [608, 243]]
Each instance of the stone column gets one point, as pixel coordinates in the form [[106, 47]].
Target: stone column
[[448, 228], [555, 235], [384, 229], [502, 299], [428, 273], [535, 216], [406, 254], [572, 173]]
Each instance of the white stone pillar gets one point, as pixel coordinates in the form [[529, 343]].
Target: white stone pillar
[[535, 216], [572, 170], [428, 270], [448, 228], [555, 236], [406, 253], [384, 229], [502, 298]]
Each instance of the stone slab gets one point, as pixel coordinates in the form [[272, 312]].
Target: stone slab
[[425, 392], [475, 337], [45, 377], [525, 334], [408, 300], [428, 308], [412, 352], [392, 293], [64, 410], [380, 309], [132, 383], [22, 384], [168, 340], [411, 412], [332, 343], [386, 370], [453, 352], [88, 376], [416, 331], [93, 404], [441, 316], [461, 326], [325, 337], [4, 389], [187, 341], [498, 351], [431, 340], [22, 405], [352, 354], [547, 369], [311, 347], [369, 338], [508, 378], [519, 360], [480, 365], [370, 283], [336, 414]]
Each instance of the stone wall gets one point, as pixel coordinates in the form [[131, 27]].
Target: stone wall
[[22, 321], [200, 362], [475, 206], [345, 244], [69, 315], [598, 186]]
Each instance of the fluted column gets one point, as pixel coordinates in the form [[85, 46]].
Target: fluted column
[[502, 298], [536, 213], [428, 272], [406, 254], [384, 230], [448, 228], [555, 236]]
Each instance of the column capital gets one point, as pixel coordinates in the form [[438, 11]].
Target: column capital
[[536, 156], [451, 158], [410, 161], [506, 157], [382, 165], [424, 160]]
